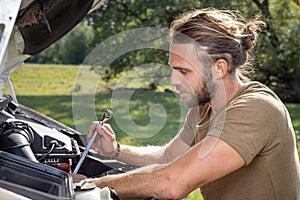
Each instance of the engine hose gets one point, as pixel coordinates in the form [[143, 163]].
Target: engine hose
[[16, 138]]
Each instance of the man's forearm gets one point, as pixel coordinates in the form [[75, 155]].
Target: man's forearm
[[139, 183], [141, 156], [120, 183]]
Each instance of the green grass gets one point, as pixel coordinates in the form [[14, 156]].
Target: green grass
[[294, 110], [48, 89], [43, 80]]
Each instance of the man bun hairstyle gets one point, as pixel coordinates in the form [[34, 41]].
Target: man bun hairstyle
[[250, 33], [222, 34]]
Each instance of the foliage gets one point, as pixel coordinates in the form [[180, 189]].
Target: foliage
[[278, 49], [277, 57], [122, 15]]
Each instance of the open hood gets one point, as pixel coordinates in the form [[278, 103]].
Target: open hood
[[29, 26]]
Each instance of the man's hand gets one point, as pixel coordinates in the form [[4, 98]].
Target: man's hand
[[105, 143], [77, 177]]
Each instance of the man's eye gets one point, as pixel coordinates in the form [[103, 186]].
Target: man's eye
[[183, 71]]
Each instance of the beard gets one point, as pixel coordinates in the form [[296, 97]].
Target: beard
[[202, 94], [199, 97]]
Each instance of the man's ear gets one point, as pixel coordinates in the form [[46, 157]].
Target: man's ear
[[221, 67]]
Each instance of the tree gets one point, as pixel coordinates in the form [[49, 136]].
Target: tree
[[276, 55], [120, 15], [279, 49]]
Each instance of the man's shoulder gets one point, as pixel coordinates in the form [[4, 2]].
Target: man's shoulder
[[256, 88], [256, 93], [255, 97]]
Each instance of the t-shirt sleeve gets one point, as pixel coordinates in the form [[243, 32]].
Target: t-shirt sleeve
[[187, 132], [245, 126]]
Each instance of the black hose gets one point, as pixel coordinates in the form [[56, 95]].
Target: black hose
[[16, 138]]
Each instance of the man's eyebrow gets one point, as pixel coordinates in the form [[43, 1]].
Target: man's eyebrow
[[178, 67]]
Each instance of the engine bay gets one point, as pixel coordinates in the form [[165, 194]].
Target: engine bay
[[43, 143], [31, 135]]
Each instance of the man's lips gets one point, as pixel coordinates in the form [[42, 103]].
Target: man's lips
[[183, 92]]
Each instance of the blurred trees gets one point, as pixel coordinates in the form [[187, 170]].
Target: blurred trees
[[277, 57], [70, 49], [279, 47]]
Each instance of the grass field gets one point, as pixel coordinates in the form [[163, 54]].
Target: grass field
[[48, 89]]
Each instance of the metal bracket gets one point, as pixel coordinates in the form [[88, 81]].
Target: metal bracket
[[6, 78]]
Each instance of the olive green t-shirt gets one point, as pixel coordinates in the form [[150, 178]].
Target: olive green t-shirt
[[258, 126]]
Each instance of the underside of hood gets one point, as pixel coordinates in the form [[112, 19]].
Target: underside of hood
[[45, 21]]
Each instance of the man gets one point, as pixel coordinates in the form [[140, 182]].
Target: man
[[237, 141]]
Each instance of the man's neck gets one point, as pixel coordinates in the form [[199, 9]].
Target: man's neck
[[226, 90]]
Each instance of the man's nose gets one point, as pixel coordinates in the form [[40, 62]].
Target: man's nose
[[175, 78]]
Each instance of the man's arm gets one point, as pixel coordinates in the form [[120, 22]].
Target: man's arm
[[105, 144], [141, 156], [178, 178]]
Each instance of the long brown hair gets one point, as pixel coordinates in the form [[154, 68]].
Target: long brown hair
[[222, 34]]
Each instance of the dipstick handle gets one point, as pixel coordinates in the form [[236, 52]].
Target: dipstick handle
[[107, 114]]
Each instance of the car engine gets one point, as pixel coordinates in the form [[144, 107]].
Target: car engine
[[31, 135]]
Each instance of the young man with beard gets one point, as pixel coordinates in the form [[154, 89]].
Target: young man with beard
[[237, 141]]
